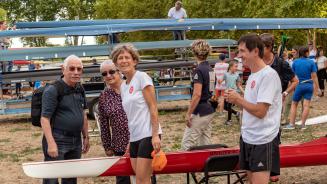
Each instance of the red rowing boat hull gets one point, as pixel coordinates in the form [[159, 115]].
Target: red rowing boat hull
[[308, 154]]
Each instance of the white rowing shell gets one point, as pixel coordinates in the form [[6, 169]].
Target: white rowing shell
[[314, 121], [92, 167]]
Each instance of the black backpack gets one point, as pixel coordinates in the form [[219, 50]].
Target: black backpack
[[36, 105]]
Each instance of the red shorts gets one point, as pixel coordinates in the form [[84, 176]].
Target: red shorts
[[219, 93]]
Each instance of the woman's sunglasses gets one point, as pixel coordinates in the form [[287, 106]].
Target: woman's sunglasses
[[111, 72]]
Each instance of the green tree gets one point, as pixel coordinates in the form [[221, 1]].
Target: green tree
[[3, 14]]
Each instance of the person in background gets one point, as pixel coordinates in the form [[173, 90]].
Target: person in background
[[4, 45], [18, 85], [31, 67], [240, 67], [112, 117], [289, 97], [312, 46], [220, 69], [37, 83], [290, 59], [139, 103], [232, 81], [200, 113], [306, 70], [322, 65], [177, 12], [94, 61], [262, 106], [287, 78]]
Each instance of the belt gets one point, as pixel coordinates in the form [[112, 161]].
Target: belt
[[67, 133], [306, 81]]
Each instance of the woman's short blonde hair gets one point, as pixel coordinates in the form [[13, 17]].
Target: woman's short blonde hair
[[201, 49], [126, 47]]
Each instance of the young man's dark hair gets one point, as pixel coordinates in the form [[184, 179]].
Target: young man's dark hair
[[252, 41], [303, 51], [269, 40]]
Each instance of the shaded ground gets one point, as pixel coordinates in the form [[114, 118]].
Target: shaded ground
[[20, 142]]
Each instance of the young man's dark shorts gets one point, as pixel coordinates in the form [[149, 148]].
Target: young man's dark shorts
[[141, 148], [257, 158]]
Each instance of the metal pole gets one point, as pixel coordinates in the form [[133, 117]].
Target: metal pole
[[229, 51]]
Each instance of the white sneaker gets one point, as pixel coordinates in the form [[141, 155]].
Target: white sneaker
[[289, 127], [303, 127]]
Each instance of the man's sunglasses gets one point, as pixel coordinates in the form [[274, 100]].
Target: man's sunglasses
[[111, 72], [72, 69]]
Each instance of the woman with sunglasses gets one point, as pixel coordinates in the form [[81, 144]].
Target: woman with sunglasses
[[139, 102], [112, 117]]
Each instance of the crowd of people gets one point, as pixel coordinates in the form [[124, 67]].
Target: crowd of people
[[128, 114]]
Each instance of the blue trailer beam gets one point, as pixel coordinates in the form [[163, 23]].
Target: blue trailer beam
[[223, 21], [98, 50], [170, 24], [93, 30]]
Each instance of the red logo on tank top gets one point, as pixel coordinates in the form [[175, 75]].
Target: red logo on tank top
[[131, 89], [252, 84]]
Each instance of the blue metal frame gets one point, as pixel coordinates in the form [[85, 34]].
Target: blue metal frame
[[121, 25], [98, 50]]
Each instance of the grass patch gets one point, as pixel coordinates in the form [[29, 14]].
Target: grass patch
[[161, 113], [18, 129], [29, 159], [38, 134], [2, 155], [13, 157], [29, 151], [176, 147], [5, 140]]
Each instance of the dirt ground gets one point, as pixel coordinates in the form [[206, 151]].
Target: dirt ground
[[20, 142]]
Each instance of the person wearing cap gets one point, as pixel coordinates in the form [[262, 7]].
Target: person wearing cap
[[177, 12], [200, 112]]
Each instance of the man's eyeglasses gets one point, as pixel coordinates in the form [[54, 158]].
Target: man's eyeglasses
[[111, 72], [72, 69]]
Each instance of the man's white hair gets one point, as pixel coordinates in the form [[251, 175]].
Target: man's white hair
[[71, 57], [107, 62]]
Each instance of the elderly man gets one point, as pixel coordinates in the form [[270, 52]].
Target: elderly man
[[177, 12], [63, 117]]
